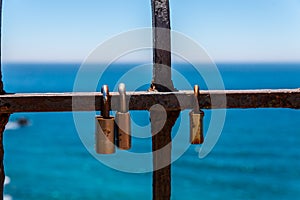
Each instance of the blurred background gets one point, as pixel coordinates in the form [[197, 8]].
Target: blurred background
[[255, 45]]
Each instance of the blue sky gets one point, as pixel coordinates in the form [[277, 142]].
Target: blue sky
[[230, 30]]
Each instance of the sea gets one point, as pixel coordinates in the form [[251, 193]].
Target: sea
[[257, 156]]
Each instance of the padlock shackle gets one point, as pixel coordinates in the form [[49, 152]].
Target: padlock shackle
[[196, 95], [106, 101], [122, 92]]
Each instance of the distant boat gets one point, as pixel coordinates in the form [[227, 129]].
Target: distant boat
[[18, 123], [23, 121]]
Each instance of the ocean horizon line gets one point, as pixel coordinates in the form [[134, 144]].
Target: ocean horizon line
[[150, 62]]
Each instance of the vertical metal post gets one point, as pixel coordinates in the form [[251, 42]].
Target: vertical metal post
[[162, 82], [3, 120]]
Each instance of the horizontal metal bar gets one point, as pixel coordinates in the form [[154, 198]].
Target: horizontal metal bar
[[212, 99]]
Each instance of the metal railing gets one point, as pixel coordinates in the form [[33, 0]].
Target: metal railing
[[59, 102]]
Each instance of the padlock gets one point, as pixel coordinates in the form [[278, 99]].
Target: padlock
[[123, 121], [196, 121], [105, 126]]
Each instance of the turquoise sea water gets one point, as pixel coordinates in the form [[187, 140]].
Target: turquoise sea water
[[256, 157]]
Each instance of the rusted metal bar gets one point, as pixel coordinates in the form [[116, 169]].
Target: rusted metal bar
[[162, 79], [3, 119], [162, 82], [62, 102]]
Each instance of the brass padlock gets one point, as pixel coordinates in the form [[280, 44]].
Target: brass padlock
[[123, 121], [196, 121], [105, 126]]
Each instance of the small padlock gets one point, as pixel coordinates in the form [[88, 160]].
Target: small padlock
[[105, 126], [196, 121], [123, 121]]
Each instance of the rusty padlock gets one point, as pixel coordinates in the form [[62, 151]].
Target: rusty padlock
[[105, 126], [123, 121], [196, 121]]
